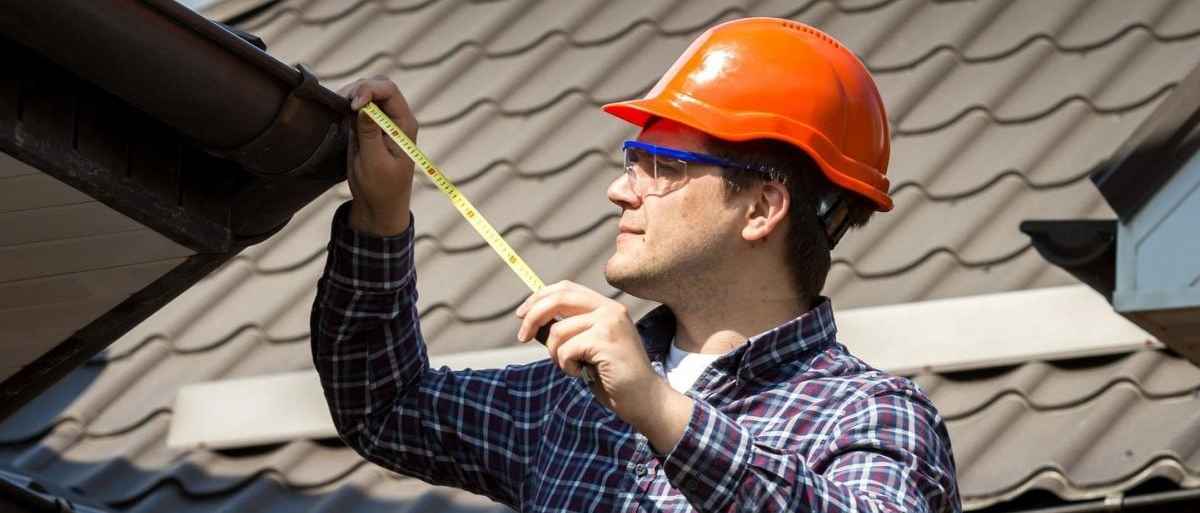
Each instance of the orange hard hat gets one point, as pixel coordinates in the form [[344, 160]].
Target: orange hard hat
[[773, 78]]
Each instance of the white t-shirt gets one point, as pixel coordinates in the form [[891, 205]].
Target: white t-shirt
[[684, 368]]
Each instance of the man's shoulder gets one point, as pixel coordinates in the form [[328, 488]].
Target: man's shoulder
[[851, 379]]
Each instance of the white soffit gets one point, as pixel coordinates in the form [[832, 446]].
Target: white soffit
[[941, 335]]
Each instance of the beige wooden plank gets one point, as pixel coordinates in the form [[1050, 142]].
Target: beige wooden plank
[[28, 331], [105, 251], [10, 167], [35, 191], [123, 281], [60, 222]]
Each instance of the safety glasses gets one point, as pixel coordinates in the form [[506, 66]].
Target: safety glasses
[[658, 170]]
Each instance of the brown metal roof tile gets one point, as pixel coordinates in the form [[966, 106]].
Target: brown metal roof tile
[[1056, 385], [1109, 440], [1000, 112]]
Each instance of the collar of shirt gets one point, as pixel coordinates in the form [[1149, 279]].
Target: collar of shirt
[[764, 354]]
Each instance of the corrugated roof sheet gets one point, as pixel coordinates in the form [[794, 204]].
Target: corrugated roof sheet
[[1000, 108]]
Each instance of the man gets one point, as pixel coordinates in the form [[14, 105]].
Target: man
[[758, 148]]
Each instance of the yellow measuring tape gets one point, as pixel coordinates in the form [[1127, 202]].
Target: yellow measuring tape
[[468, 211]]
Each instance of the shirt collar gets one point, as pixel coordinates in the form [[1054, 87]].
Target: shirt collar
[[763, 354]]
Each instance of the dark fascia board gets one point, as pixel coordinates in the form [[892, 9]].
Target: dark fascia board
[[1085, 248], [1155, 152]]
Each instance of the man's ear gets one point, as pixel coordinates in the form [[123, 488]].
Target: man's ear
[[765, 216]]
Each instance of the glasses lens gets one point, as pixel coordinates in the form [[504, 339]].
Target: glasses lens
[[654, 174], [639, 168], [669, 174]]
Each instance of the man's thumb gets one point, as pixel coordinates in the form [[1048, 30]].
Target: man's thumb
[[366, 127]]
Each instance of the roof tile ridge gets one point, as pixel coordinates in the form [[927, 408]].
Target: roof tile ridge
[[487, 316], [1075, 402], [275, 14], [167, 478], [175, 350], [984, 186], [1108, 110], [573, 42], [962, 262], [440, 247], [531, 110], [1060, 47], [270, 15], [1076, 491], [897, 132]]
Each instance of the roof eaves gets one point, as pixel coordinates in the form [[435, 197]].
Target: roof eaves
[[236, 141]]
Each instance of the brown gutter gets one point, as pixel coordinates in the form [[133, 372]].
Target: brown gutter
[[228, 96]]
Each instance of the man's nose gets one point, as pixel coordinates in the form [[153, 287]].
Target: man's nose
[[621, 193]]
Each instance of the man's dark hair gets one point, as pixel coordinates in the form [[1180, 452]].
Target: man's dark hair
[[809, 246]]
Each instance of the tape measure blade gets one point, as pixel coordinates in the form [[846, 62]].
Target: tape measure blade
[[460, 201]]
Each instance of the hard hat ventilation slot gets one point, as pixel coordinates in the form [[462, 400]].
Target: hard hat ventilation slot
[[811, 31]]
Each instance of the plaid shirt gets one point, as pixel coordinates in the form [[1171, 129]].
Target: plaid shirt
[[789, 421]]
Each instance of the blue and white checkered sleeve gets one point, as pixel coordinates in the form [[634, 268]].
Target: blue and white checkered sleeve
[[889, 453], [455, 428]]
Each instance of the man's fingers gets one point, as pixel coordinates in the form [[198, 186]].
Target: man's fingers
[[563, 303], [347, 91], [537, 296], [555, 288], [573, 354], [563, 331], [372, 147], [371, 141], [388, 97]]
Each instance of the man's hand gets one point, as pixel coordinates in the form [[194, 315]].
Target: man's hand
[[597, 330], [380, 173]]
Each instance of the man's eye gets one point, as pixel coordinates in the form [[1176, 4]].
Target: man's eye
[[670, 167]]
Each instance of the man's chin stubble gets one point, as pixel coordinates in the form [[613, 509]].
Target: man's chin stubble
[[632, 283]]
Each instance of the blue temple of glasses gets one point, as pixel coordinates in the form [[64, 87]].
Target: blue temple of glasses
[[688, 156]]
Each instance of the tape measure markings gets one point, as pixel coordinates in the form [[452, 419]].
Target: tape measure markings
[[460, 202], [469, 212]]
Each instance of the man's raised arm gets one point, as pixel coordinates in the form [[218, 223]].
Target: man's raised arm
[[455, 428]]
